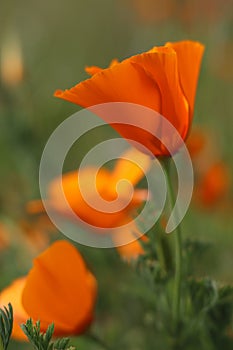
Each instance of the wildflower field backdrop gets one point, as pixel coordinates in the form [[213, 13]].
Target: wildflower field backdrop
[[46, 46]]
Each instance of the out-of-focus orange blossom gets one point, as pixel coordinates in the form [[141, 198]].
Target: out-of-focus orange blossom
[[118, 184], [189, 12], [214, 185], [59, 288], [212, 175], [36, 232]]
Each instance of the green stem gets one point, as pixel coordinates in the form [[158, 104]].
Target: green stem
[[98, 341], [178, 252]]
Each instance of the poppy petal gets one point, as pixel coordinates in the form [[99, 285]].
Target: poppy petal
[[58, 290], [123, 82], [91, 70], [131, 166], [160, 64], [189, 55], [13, 295], [130, 250]]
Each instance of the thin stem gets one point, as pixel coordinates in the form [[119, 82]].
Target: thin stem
[[98, 341], [178, 252]]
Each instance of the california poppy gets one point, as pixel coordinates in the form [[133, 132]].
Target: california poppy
[[211, 173], [214, 185], [85, 189], [36, 233], [196, 142], [163, 79], [59, 288]]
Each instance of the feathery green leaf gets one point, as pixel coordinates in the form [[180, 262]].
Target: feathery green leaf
[[6, 325], [43, 341]]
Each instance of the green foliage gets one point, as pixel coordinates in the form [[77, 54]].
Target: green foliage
[[206, 316], [206, 305], [43, 341], [6, 325], [156, 263]]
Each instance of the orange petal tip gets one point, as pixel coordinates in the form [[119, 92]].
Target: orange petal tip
[[58, 93]]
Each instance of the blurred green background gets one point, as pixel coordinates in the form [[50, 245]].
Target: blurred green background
[[52, 42]]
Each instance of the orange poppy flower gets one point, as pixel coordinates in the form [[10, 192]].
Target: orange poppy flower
[[163, 79], [214, 185], [196, 142], [59, 288], [84, 190], [211, 174], [36, 233]]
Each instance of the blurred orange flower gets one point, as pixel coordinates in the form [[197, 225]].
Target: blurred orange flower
[[214, 185], [189, 13], [163, 79], [37, 232], [211, 173], [59, 288], [196, 142], [117, 185]]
